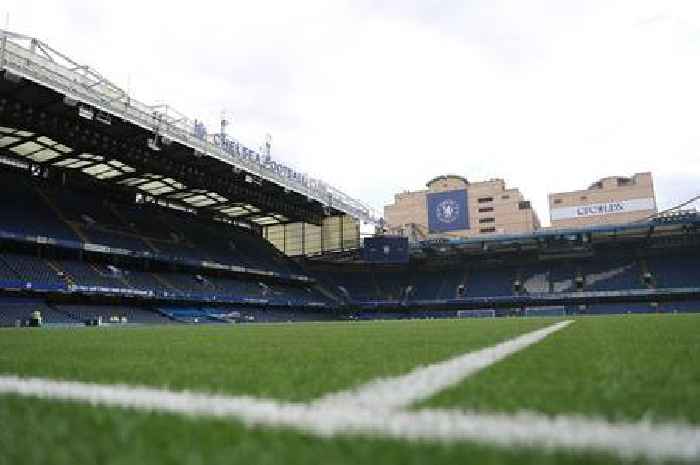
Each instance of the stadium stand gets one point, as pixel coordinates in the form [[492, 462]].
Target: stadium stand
[[562, 277], [88, 274], [33, 270], [8, 277], [113, 313], [203, 315], [17, 309], [83, 217], [676, 271], [616, 308], [104, 246], [535, 279], [489, 282], [146, 281], [598, 274], [692, 306], [17, 197], [604, 275]]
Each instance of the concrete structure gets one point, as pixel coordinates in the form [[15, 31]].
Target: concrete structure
[[611, 200], [491, 208]]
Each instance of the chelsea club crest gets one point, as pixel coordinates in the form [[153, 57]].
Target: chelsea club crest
[[447, 211]]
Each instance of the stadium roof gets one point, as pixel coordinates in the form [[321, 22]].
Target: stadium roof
[[58, 114], [672, 224]]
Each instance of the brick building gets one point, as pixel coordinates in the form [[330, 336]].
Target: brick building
[[451, 206], [611, 200]]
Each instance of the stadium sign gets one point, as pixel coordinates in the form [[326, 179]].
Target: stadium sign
[[598, 209], [447, 211]]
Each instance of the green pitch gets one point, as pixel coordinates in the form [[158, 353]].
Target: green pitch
[[620, 368]]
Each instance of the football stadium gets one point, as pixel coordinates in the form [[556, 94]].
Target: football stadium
[[170, 295]]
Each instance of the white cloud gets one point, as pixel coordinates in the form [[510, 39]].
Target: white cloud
[[378, 97]]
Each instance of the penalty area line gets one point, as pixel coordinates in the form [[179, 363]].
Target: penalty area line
[[424, 382]]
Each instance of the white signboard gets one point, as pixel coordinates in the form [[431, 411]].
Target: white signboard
[[598, 209]]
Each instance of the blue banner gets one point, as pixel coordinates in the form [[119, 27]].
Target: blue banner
[[447, 211]]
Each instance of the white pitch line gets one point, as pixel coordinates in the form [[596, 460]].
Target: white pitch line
[[424, 382], [643, 439]]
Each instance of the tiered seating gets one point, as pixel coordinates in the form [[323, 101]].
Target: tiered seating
[[278, 316], [357, 286], [192, 314], [431, 314], [451, 280], [16, 308], [24, 211], [562, 275], [7, 275], [87, 274], [675, 271], [146, 282], [295, 296], [32, 207], [35, 208], [610, 275], [33, 270], [391, 285], [681, 306], [187, 283], [428, 286], [490, 282], [132, 314], [535, 279], [236, 287], [606, 274], [617, 308], [17, 270], [94, 219]]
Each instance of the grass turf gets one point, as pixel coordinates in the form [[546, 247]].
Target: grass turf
[[287, 361], [620, 368], [57, 433]]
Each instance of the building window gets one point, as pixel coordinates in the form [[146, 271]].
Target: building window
[[556, 201], [505, 197], [487, 220], [488, 230], [524, 205], [485, 209], [485, 199], [584, 197]]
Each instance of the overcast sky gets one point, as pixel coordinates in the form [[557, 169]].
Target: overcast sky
[[377, 97]]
